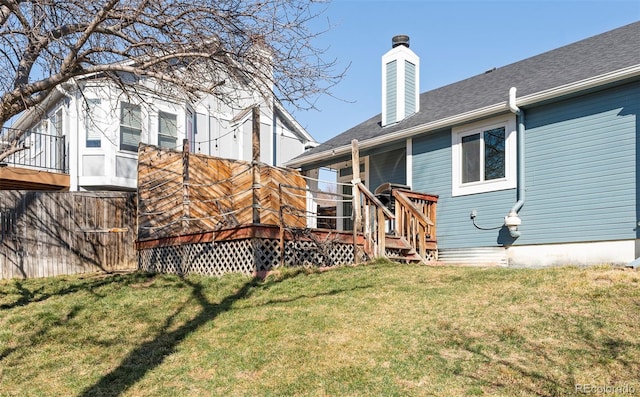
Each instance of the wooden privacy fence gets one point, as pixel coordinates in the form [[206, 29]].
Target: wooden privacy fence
[[182, 193], [46, 234]]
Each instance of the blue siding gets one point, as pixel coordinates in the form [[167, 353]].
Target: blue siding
[[409, 88], [432, 174], [387, 167], [581, 163], [581, 169], [392, 91]]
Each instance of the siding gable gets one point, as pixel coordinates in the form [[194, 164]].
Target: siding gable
[[409, 89], [392, 91]]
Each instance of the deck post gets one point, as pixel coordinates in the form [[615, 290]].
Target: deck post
[[357, 213], [281, 221], [255, 163], [381, 232], [185, 184]]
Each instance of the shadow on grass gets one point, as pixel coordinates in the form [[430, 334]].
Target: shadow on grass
[[309, 296], [6, 352], [32, 341], [151, 354], [27, 296]]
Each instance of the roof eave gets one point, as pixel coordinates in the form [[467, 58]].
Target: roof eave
[[302, 132], [541, 96], [397, 135], [29, 116]]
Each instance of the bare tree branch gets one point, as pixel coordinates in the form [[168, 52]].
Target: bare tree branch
[[196, 46]]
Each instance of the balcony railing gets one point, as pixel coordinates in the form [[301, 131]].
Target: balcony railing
[[415, 220], [35, 150]]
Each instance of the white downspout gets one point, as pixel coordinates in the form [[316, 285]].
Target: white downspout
[[512, 221]]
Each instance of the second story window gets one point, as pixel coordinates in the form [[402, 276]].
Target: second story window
[[130, 126], [167, 130], [92, 123]]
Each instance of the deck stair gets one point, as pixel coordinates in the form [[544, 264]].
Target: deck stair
[[398, 249], [413, 238]]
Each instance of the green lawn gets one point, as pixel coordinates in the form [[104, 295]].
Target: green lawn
[[381, 329]]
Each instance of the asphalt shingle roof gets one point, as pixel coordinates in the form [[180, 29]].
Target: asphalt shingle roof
[[607, 52]]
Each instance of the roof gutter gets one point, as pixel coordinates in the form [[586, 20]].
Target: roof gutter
[[397, 135], [593, 82]]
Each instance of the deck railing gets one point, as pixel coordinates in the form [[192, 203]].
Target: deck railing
[[415, 215], [371, 215], [413, 221], [35, 150]]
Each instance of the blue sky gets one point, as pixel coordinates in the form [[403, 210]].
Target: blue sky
[[454, 40]]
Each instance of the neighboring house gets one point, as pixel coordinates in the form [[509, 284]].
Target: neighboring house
[[558, 160], [96, 128]]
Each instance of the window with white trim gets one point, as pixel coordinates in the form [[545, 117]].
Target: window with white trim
[[484, 156], [167, 130], [92, 123], [130, 126], [37, 141]]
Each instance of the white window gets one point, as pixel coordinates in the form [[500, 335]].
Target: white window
[[484, 156], [130, 126], [92, 123], [167, 130]]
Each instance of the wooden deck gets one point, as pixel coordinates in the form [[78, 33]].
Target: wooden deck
[[251, 231], [23, 178], [202, 214]]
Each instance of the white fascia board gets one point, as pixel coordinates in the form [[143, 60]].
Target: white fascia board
[[402, 134], [593, 82], [300, 129]]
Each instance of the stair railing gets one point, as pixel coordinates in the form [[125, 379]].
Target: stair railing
[[415, 215], [373, 215]]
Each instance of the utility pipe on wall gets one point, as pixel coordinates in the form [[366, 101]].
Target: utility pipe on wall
[[512, 220]]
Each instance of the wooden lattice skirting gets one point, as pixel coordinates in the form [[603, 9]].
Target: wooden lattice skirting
[[247, 256]]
